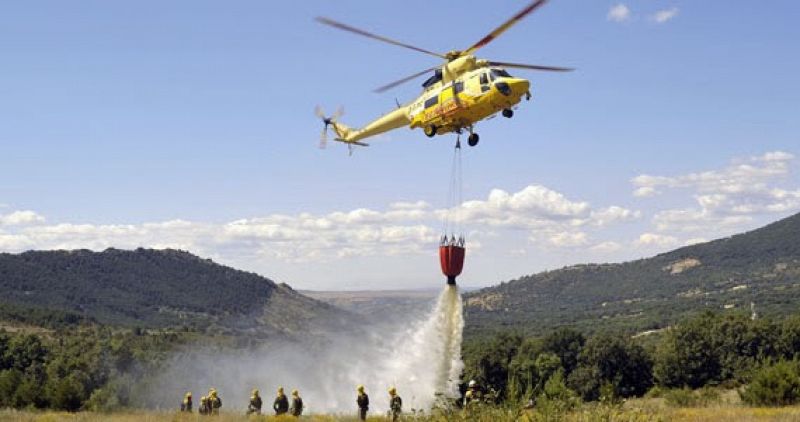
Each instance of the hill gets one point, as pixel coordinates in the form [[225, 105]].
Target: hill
[[761, 266], [152, 289]]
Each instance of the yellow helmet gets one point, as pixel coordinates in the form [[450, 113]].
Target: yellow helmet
[[255, 391], [295, 392], [204, 398], [280, 391], [188, 394], [360, 388], [392, 391]]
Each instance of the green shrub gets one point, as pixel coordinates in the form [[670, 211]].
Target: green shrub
[[556, 397], [686, 397], [774, 385]]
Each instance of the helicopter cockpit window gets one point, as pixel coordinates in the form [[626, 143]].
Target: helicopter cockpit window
[[484, 79], [432, 101], [500, 73], [458, 87]]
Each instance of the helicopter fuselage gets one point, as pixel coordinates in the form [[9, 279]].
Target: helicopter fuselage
[[464, 92]]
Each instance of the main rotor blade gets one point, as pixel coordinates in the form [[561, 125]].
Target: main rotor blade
[[504, 27], [532, 67], [404, 80], [345, 27]]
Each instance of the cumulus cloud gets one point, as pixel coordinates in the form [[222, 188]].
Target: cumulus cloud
[[618, 13], [606, 247], [727, 198], [614, 214], [410, 227], [645, 191], [654, 239], [20, 218], [664, 15], [568, 239], [694, 241]]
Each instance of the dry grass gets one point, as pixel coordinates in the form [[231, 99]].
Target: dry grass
[[649, 410]]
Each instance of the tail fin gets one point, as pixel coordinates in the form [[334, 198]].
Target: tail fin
[[342, 130]]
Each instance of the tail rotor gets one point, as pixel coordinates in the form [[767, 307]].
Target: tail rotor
[[327, 121]]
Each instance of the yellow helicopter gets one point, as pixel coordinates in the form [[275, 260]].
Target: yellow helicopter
[[460, 93]]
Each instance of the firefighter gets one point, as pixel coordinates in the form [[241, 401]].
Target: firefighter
[[214, 402], [186, 404], [297, 404], [203, 409], [281, 404], [255, 403], [363, 403], [395, 404]]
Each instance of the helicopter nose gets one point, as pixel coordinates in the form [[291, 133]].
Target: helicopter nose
[[512, 86], [519, 86]]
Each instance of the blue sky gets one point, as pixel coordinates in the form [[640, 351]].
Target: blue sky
[[190, 124]]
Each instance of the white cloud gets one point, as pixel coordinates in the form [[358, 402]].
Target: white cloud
[[618, 13], [694, 241], [403, 228], [654, 239], [645, 191], [725, 199], [664, 15], [20, 218], [568, 239], [614, 214], [606, 247]]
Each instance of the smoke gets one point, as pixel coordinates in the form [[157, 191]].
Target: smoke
[[421, 357]]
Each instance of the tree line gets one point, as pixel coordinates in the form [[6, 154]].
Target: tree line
[[91, 368], [711, 349], [100, 368]]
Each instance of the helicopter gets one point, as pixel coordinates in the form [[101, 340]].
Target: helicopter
[[460, 93]]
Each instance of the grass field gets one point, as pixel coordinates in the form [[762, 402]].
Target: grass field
[[635, 411]]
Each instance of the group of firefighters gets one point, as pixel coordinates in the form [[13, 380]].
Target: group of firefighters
[[210, 404]]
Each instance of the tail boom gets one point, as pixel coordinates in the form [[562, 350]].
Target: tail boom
[[395, 119]]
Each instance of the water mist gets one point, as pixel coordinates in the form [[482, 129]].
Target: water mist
[[420, 357]]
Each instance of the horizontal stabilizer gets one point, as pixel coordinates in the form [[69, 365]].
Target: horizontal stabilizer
[[361, 144]]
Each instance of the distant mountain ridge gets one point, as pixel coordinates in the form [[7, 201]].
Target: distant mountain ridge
[[155, 288], [761, 266]]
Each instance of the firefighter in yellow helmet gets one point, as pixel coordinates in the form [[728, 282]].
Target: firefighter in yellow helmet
[[214, 402], [395, 404], [255, 403], [362, 400], [297, 404], [281, 403], [186, 404], [203, 409]]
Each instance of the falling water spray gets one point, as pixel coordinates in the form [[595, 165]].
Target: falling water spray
[[421, 357]]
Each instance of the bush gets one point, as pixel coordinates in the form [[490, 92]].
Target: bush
[[613, 359], [775, 385], [556, 397], [685, 397]]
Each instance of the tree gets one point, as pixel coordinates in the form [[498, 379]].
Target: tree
[[490, 362], [687, 356], [9, 380], [616, 360], [565, 343], [24, 351], [789, 340], [67, 393]]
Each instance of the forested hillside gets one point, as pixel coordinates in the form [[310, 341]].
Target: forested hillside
[[761, 266], [150, 289]]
